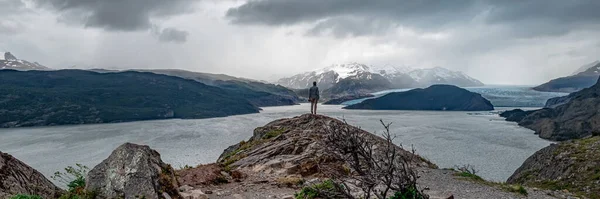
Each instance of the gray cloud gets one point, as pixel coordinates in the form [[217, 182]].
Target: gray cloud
[[119, 15], [171, 35], [525, 18]]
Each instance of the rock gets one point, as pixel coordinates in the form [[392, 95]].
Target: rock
[[185, 188], [515, 115], [237, 196], [573, 166], [194, 194], [577, 118], [202, 175], [557, 101], [288, 197], [436, 97], [17, 177], [293, 147], [132, 171], [10, 57]]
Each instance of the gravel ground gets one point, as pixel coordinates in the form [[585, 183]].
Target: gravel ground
[[443, 184]]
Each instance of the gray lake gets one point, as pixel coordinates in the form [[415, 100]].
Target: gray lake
[[493, 146]]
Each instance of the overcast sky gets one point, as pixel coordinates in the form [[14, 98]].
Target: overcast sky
[[496, 41]]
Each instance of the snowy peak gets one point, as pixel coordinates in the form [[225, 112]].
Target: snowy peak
[[398, 77], [345, 70], [9, 61], [439, 75]]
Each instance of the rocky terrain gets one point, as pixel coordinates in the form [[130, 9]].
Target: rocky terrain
[[583, 78], [282, 159], [571, 165], [436, 97], [579, 117], [9, 61], [17, 177], [37, 98]]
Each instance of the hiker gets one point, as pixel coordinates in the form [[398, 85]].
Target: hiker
[[313, 97]]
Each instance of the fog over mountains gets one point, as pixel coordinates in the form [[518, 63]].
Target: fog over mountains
[[397, 77]]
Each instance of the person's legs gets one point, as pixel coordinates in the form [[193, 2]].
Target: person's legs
[[316, 101], [312, 104]]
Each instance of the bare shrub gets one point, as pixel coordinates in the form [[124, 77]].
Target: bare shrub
[[378, 168]]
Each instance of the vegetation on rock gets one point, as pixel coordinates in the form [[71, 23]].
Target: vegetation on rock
[[571, 165]]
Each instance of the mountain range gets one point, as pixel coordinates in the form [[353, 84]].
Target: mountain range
[[355, 78], [40, 98], [9, 61], [583, 77]]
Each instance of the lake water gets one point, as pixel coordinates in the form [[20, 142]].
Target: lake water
[[494, 147]]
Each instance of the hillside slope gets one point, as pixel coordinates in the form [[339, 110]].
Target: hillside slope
[[573, 83], [571, 165], [35, 98]]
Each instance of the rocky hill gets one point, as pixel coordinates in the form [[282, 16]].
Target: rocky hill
[[17, 177], [436, 97], [575, 82], [35, 98], [577, 118], [571, 165], [260, 94], [9, 61]]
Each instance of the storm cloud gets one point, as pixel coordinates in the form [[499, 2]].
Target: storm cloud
[[352, 17], [171, 35], [116, 15]]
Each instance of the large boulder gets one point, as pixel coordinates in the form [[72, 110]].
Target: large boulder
[[436, 97], [17, 177], [133, 171]]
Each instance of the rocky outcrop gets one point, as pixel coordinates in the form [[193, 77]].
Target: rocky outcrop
[[133, 171], [9, 56], [557, 101], [436, 97], [340, 100], [294, 146], [571, 165], [578, 118], [514, 115], [9, 61], [17, 177]]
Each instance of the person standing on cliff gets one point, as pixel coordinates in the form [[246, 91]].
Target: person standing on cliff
[[313, 97]]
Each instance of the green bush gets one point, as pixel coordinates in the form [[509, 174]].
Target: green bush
[[74, 179], [409, 193], [21, 196], [317, 190]]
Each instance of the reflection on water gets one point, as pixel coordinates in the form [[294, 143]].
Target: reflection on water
[[493, 146]]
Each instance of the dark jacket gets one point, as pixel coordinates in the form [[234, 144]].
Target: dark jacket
[[313, 92]]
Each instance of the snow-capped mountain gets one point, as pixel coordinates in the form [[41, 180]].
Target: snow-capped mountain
[[439, 75], [398, 77], [9, 61], [325, 77]]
